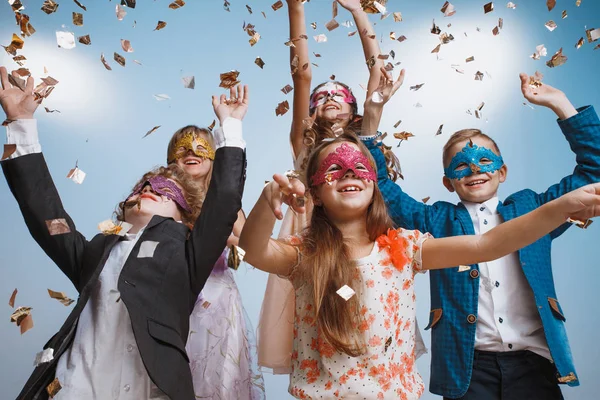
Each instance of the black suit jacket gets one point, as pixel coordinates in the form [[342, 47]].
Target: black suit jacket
[[159, 292]]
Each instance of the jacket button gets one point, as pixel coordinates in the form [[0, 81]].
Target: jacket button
[[474, 274], [471, 318]]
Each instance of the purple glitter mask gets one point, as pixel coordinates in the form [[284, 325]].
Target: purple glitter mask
[[164, 187], [347, 158]]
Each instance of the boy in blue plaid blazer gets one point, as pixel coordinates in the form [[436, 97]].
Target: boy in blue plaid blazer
[[497, 328]]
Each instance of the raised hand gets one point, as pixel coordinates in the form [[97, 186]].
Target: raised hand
[[386, 89], [350, 5], [17, 104], [545, 95], [581, 204], [235, 106], [284, 190]]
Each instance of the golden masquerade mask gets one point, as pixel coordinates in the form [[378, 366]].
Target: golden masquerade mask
[[198, 145]]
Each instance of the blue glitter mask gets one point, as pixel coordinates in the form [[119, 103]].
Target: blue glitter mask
[[471, 155]]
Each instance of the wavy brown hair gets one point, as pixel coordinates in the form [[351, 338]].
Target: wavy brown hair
[[320, 129], [326, 264], [191, 191]]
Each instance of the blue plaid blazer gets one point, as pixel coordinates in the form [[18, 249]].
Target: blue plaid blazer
[[454, 296]]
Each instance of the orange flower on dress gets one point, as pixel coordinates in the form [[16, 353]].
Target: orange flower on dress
[[328, 385], [396, 246], [343, 379], [407, 284], [380, 395], [370, 283], [375, 341], [386, 273]]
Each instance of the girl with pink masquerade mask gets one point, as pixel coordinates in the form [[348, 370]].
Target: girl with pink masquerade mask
[[330, 108]]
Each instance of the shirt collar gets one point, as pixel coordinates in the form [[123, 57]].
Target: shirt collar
[[488, 207]]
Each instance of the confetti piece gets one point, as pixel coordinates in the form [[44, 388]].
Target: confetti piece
[[448, 9], [77, 19], [551, 25], [80, 5], [60, 296], [397, 17], [120, 11], [22, 317], [50, 111], [53, 388], [320, 38], [108, 227], [76, 175], [487, 8], [579, 43], [104, 62], [417, 87], [496, 31], [580, 224], [13, 296], [23, 21], [189, 82], [161, 97], [463, 268], [387, 345], [557, 59], [9, 149], [436, 49], [479, 76], [331, 25], [229, 79], [550, 4], [511, 5], [258, 61], [282, 108], [346, 292], [160, 25], [564, 14], [286, 89], [540, 51], [418, 105], [17, 82], [86, 40], [592, 34], [65, 39], [126, 46], [57, 226], [439, 131], [470, 59], [397, 123], [119, 59], [180, 3], [578, 3], [235, 257], [44, 356], [49, 6], [277, 5], [254, 39]]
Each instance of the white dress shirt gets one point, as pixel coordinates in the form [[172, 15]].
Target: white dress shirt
[[104, 363], [507, 317]]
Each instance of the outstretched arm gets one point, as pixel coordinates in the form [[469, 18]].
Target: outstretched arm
[[30, 182], [264, 253], [368, 39], [301, 76], [581, 129], [508, 237], [224, 195]]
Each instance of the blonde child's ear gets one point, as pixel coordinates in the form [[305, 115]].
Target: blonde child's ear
[[448, 184]]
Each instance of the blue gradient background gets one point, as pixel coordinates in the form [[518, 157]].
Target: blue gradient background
[[104, 115]]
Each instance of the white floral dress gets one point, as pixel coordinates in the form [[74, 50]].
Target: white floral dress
[[384, 282]]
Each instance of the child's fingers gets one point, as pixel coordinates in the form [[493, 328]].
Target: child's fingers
[[29, 85], [4, 78], [297, 187], [232, 92], [223, 99], [240, 93], [215, 102], [246, 95], [524, 82], [283, 183], [275, 202]]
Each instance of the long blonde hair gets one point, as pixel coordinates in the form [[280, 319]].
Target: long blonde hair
[[327, 266]]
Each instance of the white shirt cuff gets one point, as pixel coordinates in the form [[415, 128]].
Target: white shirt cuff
[[23, 133], [229, 134]]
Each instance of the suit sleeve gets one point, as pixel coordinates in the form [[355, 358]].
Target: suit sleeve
[[49, 224], [219, 213], [582, 131], [406, 212]]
